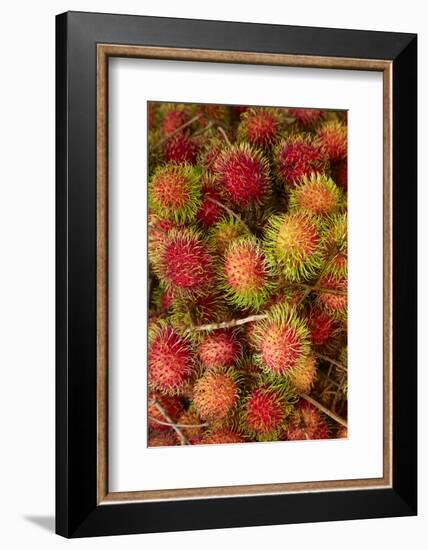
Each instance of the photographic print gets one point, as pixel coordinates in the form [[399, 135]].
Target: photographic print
[[247, 246]]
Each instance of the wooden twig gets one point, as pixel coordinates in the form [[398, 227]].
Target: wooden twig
[[169, 136], [172, 424], [231, 212], [326, 411], [228, 324], [224, 135], [332, 361], [181, 436]]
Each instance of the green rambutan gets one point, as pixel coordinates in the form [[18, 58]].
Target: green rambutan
[[181, 149], [162, 439], [171, 360], [283, 341], [220, 436], [264, 413], [335, 239], [224, 232], [302, 378], [306, 117], [294, 245], [316, 194], [260, 127], [185, 264], [305, 422], [219, 349], [216, 394], [298, 156], [175, 192], [333, 303], [246, 276], [171, 405], [243, 174], [332, 138]]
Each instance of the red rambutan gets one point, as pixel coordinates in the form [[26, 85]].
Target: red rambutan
[[264, 414], [170, 404], [243, 174], [173, 120], [181, 149], [222, 435], [260, 127], [219, 349], [332, 138], [216, 394], [306, 117], [185, 264], [333, 303], [209, 210], [162, 439], [305, 422], [297, 156], [340, 174], [171, 361], [321, 327]]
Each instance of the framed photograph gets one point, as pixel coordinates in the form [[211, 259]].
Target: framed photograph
[[236, 274]]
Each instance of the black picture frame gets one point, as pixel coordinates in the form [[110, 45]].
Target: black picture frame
[[77, 511]]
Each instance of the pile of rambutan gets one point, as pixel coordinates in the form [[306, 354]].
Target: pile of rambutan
[[247, 250]]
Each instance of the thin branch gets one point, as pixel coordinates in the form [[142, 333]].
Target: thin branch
[[172, 424], [326, 411], [231, 212], [169, 136], [228, 324], [223, 133], [332, 361], [182, 437]]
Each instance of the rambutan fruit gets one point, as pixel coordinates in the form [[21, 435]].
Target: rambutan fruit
[[195, 425], [283, 341], [158, 229], [174, 119], [298, 156], [340, 173], [260, 127], [316, 194], [306, 117], [216, 394], [226, 230], [264, 413], [219, 349], [185, 264], [302, 378], [321, 327], [294, 246], [209, 151], [243, 174], [171, 360], [335, 242], [334, 303], [162, 439], [210, 211], [332, 139], [175, 192], [171, 404], [220, 436], [181, 149], [246, 276], [305, 422], [213, 113], [201, 309]]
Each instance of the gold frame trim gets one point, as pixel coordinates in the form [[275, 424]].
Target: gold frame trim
[[104, 51]]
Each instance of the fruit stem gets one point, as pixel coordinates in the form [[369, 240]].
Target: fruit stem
[[224, 135], [228, 324], [326, 411], [182, 437]]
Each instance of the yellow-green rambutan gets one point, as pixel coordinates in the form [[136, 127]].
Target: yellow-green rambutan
[[302, 378], [224, 232], [184, 263], [171, 360], [175, 192], [260, 127], [316, 194], [294, 246], [216, 394], [335, 243], [283, 341], [243, 174], [220, 348], [245, 274]]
